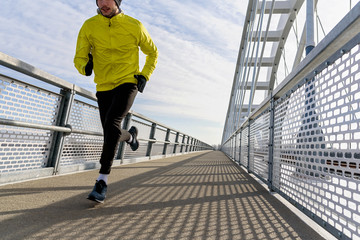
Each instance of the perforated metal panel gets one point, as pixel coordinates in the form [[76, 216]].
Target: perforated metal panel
[[178, 146], [259, 145], [235, 143], [157, 149], [79, 148], [22, 102], [25, 148], [244, 146], [172, 139], [85, 116], [317, 145], [160, 134], [144, 130]]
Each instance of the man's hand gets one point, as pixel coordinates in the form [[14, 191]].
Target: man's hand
[[89, 66], [141, 82]]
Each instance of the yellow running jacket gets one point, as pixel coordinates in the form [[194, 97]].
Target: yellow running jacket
[[114, 43]]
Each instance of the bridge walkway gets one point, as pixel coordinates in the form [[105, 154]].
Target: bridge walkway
[[195, 196]]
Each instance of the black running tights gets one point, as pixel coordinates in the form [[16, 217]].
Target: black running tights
[[113, 107]]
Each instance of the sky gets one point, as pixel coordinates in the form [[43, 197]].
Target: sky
[[198, 46]]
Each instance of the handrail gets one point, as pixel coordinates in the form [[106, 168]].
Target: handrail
[[68, 129], [75, 128], [29, 70]]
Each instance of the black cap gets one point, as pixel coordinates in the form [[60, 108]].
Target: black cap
[[118, 2]]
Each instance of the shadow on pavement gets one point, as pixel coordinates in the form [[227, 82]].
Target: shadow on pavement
[[195, 196]]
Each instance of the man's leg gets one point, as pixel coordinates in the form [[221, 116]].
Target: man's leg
[[112, 111], [113, 107]]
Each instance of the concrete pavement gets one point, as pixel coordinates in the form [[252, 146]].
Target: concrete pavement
[[195, 196]]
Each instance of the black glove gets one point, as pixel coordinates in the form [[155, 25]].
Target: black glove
[[89, 66], [141, 82]]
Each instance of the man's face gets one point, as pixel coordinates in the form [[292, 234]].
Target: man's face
[[108, 8]]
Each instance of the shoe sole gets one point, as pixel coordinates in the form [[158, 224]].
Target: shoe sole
[[95, 200], [136, 132]]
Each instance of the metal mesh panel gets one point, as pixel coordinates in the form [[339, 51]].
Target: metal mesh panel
[[178, 147], [22, 102], [79, 148], [188, 147], [184, 141], [170, 149], [143, 127], [244, 147], [157, 149], [22, 148], [140, 152], [84, 116], [317, 145], [160, 134], [233, 147], [259, 145], [172, 139], [237, 148], [144, 130]]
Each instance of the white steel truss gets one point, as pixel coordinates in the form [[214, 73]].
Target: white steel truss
[[272, 45]]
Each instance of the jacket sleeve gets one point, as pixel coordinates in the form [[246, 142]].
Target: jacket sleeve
[[148, 47], [83, 48]]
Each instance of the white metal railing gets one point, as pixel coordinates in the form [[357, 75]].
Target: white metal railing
[[43, 132], [304, 139]]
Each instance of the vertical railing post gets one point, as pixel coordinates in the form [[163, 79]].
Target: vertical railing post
[[240, 133], [231, 153], [151, 137], [122, 145], [166, 141], [182, 143], [235, 148], [58, 137], [248, 148], [176, 142], [190, 144], [271, 144], [310, 18], [187, 144]]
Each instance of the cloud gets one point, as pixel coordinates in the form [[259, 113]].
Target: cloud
[[42, 34], [197, 42]]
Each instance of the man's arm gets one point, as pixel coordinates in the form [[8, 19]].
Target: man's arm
[[148, 47], [82, 59]]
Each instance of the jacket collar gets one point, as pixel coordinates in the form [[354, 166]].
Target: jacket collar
[[115, 18]]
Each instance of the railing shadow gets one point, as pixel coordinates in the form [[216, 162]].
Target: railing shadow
[[197, 196]]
